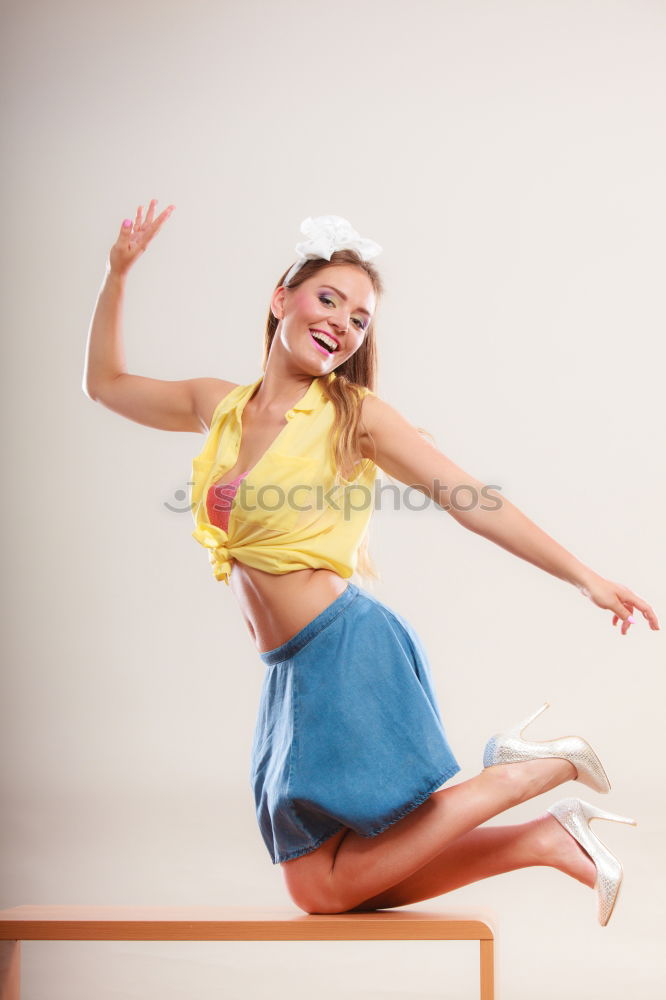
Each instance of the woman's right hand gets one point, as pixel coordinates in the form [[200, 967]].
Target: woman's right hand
[[133, 239]]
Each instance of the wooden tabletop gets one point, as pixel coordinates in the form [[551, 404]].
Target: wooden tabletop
[[232, 923]]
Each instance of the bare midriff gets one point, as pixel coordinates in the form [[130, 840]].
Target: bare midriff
[[275, 606]]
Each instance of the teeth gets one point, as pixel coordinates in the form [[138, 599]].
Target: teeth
[[325, 338]]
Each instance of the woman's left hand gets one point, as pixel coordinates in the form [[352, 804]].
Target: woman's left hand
[[618, 599]]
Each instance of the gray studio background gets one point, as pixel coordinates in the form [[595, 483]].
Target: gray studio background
[[510, 159]]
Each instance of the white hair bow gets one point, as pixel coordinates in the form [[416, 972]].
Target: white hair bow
[[326, 234]]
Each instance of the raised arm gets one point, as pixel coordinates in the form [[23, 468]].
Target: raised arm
[[185, 405], [400, 450]]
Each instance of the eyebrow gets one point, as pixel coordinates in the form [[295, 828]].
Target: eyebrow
[[344, 298]]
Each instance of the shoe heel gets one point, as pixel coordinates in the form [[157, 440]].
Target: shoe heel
[[575, 815], [508, 746], [520, 727], [593, 812]]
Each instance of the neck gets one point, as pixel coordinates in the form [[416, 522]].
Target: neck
[[279, 390]]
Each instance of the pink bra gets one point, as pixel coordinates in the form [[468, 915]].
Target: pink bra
[[219, 500]]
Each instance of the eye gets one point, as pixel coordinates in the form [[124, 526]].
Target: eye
[[325, 298]]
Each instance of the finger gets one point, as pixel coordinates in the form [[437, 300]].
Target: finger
[[151, 211], [125, 228], [647, 612], [628, 621], [150, 231], [623, 610], [626, 625], [634, 601], [163, 216], [135, 233]]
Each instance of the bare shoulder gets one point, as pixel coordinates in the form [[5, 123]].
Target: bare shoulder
[[208, 394], [380, 420], [399, 448], [396, 445]]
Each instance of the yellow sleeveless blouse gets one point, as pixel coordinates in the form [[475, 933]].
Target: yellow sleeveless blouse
[[291, 511]]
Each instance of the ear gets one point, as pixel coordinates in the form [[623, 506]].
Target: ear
[[277, 302]]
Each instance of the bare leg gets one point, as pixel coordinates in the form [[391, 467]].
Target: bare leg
[[349, 869], [491, 850]]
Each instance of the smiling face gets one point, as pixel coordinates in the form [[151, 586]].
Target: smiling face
[[324, 320]]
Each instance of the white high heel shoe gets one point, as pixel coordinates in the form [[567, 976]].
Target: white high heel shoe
[[575, 815], [508, 747]]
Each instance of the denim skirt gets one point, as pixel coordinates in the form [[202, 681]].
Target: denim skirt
[[348, 732]]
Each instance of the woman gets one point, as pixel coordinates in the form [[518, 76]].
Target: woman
[[350, 749]]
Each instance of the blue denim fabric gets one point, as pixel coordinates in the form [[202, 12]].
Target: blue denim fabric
[[348, 731]]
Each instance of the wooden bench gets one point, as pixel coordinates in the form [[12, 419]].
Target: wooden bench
[[226, 923]]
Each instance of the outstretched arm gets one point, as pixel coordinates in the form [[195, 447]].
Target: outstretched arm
[[402, 452]]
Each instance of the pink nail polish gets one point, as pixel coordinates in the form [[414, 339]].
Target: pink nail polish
[[631, 619]]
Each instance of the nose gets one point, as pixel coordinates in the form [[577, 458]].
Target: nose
[[340, 321]]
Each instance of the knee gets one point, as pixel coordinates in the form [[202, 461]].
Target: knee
[[327, 907], [318, 902], [313, 894]]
